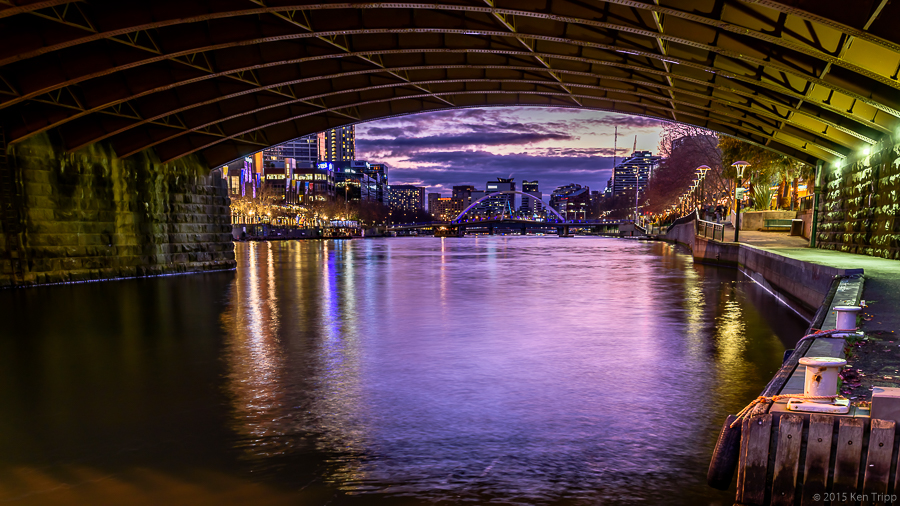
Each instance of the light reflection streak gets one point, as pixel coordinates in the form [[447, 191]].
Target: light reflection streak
[[256, 363], [385, 358]]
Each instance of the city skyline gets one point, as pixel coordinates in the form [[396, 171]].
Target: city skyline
[[557, 146]]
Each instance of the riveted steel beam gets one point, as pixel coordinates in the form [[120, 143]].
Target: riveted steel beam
[[767, 69], [699, 119], [745, 115], [749, 95], [171, 76]]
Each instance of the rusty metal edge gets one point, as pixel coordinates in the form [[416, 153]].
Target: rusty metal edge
[[777, 382]]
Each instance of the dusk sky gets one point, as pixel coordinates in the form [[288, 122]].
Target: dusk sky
[[472, 146]]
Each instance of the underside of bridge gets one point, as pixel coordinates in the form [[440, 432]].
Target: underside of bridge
[[813, 79], [218, 79]]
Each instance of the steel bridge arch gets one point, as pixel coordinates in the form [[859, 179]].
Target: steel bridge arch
[[505, 192], [812, 80]]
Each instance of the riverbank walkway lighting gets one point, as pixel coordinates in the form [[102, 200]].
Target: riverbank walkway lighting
[[739, 167]]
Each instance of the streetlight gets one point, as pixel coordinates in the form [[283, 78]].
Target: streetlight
[[703, 169], [739, 167]]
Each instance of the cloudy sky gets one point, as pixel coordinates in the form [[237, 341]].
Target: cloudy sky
[[472, 146]]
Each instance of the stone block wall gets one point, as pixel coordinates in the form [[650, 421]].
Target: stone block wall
[[90, 215], [860, 210]]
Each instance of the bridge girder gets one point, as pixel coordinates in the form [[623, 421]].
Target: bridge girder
[[226, 78]]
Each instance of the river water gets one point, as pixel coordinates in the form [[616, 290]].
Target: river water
[[511, 370]]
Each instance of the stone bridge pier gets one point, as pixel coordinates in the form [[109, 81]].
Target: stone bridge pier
[[90, 215]]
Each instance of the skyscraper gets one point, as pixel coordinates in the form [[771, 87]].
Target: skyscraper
[[432, 201], [334, 145], [499, 204], [337, 144], [573, 201], [463, 192], [304, 150], [635, 169], [407, 197], [531, 204]]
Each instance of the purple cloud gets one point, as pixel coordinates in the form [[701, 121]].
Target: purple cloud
[[471, 146]]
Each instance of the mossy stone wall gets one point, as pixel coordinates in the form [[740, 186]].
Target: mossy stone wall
[[861, 206], [90, 215]]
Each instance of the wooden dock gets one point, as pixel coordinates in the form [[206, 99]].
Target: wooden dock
[[790, 459], [793, 458]]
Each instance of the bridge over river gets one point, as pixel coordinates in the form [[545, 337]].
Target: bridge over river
[[521, 225], [113, 114]]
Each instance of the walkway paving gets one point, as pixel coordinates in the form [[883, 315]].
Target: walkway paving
[[882, 287]]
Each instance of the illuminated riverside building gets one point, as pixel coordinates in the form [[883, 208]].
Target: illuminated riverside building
[[358, 180], [432, 201], [636, 169], [464, 192], [447, 208], [531, 203], [335, 145], [498, 204], [573, 201], [407, 197]]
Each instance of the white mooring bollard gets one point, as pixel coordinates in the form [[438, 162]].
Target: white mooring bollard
[[846, 317], [821, 381]]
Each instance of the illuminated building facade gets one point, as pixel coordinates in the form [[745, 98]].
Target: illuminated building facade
[[407, 197], [498, 204], [337, 144], [446, 208], [464, 192], [531, 203], [635, 169], [573, 201]]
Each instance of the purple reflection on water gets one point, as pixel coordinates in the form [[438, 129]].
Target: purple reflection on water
[[512, 369]]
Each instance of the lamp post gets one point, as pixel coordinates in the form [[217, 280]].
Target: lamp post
[[739, 167], [703, 169]]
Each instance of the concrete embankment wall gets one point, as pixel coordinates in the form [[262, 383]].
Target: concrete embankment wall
[[90, 215], [803, 285]]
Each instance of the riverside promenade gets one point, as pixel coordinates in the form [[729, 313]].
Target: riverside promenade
[[882, 276], [789, 457]]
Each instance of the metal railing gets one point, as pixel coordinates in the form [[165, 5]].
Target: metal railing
[[710, 230]]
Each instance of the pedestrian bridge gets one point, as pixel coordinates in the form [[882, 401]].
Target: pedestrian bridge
[[490, 225]]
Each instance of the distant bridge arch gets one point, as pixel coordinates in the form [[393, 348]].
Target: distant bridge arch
[[505, 192]]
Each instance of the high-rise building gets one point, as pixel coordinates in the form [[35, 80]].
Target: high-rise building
[[432, 201], [499, 204], [337, 144], [464, 192], [531, 203], [407, 197], [304, 150], [356, 180], [573, 201], [636, 169], [379, 174], [446, 208], [334, 145]]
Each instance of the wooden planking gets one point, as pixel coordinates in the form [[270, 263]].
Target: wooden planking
[[756, 459], [878, 463], [787, 460], [846, 460], [742, 452], [818, 458]]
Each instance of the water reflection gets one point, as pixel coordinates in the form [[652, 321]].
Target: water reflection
[[524, 369], [396, 371]]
